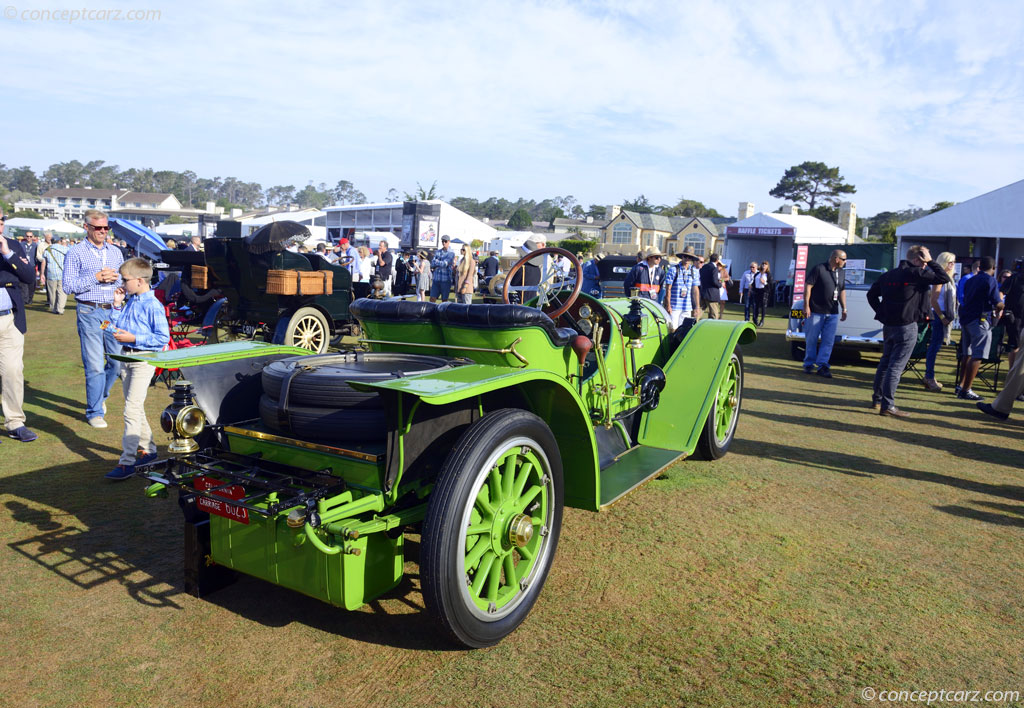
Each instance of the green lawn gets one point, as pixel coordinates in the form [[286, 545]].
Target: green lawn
[[830, 551]]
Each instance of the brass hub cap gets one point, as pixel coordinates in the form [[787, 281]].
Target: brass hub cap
[[520, 530]]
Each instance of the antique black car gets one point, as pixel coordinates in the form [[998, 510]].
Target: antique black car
[[248, 311]]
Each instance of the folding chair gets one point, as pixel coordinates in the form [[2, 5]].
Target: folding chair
[[924, 336], [988, 372]]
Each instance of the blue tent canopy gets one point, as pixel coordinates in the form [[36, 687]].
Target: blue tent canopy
[[146, 242]]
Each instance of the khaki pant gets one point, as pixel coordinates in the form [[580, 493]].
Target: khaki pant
[[136, 378], [714, 310], [57, 297], [12, 373], [1013, 385]]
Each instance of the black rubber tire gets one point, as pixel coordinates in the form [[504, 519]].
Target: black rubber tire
[[709, 447], [360, 422], [443, 547], [325, 385], [309, 329], [222, 329], [797, 351]]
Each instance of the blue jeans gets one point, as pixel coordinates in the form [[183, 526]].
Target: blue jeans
[[934, 344], [823, 326], [100, 371], [746, 304], [899, 343], [440, 290]]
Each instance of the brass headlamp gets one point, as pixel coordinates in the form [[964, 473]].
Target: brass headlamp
[[183, 419]]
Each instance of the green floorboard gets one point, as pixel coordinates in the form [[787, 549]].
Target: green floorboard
[[632, 469]]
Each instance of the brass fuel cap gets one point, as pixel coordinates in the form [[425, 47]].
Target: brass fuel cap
[[520, 530]]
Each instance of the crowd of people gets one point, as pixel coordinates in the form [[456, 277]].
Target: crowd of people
[[117, 312]]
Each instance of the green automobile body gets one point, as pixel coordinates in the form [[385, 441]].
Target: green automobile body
[[480, 456]]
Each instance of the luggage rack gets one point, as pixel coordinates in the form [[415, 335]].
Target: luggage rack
[[277, 486]]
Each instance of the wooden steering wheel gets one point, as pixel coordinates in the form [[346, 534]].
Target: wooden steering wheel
[[549, 283]]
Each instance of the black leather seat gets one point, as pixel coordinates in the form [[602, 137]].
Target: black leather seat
[[393, 310], [502, 317]]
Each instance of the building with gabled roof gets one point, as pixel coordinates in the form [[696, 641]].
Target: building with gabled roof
[[628, 232]]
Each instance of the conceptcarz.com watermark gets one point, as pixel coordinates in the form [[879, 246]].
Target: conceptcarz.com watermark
[[869, 694], [85, 14]]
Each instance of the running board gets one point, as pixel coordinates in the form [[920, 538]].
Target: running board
[[632, 469]]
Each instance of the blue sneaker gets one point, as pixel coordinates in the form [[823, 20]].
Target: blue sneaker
[[121, 472], [987, 408], [145, 459], [22, 434]]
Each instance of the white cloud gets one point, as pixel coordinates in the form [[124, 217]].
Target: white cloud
[[603, 100]]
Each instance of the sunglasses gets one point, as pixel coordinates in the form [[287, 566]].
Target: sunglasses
[[98, 228]]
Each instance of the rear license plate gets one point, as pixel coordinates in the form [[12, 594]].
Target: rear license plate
[[221, 508], [796, 314]]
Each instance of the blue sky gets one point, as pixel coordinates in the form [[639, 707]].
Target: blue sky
[[915, 101]]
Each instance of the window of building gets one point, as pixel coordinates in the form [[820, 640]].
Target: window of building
[[622, 233], [697, 241]]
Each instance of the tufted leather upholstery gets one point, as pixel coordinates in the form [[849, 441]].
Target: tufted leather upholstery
[[393, 310], [502, 317]]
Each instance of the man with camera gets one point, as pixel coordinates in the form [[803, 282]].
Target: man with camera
[[900, 300], [15, 271]]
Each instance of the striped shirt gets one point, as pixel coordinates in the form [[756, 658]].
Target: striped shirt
[[82, 264], [680, 282]]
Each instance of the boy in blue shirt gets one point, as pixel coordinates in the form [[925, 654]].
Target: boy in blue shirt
[[139, 323]]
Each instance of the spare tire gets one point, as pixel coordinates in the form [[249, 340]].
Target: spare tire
[[360, 422], [321, 380]]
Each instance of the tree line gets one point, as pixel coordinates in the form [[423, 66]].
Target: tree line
[[816, 187]]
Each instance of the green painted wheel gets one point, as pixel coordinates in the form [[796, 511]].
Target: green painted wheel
[[720, 427], [492, 527]]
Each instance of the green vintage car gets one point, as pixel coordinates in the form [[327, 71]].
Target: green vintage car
[[472, 425]]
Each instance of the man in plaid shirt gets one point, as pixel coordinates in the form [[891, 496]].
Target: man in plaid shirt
[[682, 288], [442, 268], [91, 275]]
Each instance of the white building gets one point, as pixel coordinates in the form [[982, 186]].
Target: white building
[[354, 218], [148, 208]]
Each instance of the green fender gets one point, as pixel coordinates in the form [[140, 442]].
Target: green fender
[[547, 395], [692, 376]]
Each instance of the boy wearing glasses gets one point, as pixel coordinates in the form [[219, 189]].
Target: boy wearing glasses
[[91, 275], [138, 324]]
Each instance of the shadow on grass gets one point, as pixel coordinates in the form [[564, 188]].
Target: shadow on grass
[[986, 516], [903, 432], [859, 466], [376, 623], [109, 539], [116, 535]]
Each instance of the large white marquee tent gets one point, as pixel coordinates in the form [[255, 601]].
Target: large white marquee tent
[[993, 222]]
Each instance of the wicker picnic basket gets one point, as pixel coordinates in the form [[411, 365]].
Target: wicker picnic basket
[[199, 276], [300, 282]]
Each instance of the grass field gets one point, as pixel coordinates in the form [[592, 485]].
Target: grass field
[[831, 551]]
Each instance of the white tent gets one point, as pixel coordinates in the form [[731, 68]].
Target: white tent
[[993, 221], [771, 237], [41, 225], [181, 230]]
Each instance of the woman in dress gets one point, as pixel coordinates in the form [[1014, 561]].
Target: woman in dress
[[422, 276], [943, 312]]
